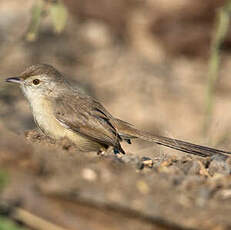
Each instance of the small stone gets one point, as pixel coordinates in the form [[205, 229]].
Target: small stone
[[147, 162], [224, 194], [89, 174], [166, 163], [219, 165]]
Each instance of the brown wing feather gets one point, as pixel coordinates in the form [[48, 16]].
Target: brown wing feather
[[88, 117]]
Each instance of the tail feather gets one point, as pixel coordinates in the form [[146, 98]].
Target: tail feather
[[182, 145], [127, 131]]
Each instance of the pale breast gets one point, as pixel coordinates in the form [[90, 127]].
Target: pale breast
[[45, 119]]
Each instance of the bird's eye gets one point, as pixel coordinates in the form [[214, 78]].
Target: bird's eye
[[36, 81]]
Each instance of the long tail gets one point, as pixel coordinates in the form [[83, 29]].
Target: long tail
[[127, 131]]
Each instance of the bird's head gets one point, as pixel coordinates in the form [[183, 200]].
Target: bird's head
[[39, 80]]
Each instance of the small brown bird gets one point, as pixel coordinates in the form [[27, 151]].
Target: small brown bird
[[61, 111]]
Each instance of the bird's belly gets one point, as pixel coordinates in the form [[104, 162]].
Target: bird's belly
[[51, 127]]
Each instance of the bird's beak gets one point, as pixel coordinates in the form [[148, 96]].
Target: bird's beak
[[14, 80]]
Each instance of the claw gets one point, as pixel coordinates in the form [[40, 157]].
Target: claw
[[116, 151], [128, 141]]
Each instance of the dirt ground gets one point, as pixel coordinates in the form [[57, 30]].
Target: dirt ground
[[147, 75]]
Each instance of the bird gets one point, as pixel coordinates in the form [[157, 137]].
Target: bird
[[63, 111]]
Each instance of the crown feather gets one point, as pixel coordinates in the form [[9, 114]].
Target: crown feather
[[40, 69]]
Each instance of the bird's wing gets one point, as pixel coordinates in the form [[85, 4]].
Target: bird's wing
[[87, 117]]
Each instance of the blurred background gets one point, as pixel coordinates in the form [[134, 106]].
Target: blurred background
[[162, 65]]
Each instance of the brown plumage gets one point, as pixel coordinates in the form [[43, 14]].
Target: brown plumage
[[86, 116], [61, 111]]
